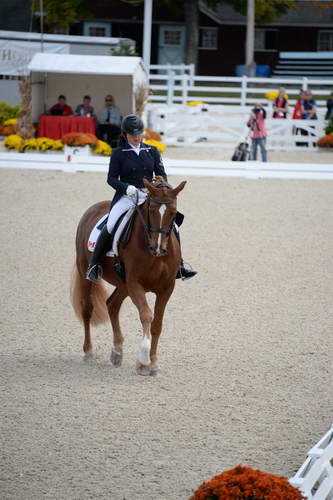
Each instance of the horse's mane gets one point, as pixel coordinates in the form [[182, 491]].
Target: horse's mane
[[160, 182]]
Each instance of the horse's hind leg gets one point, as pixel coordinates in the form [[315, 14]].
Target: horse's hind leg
[[156, 326], [113, 304]]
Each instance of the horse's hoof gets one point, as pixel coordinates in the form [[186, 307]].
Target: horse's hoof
[[88, 356], [154, 371], [143, 370], [116, 358]]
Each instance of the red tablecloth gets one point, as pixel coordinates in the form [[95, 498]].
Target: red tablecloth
[[54, 127]]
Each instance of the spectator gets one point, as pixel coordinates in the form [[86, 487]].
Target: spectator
[[86, 108], [257, 123], [109, 123], [297, 114], [61, 108], [308, 107], [280, 105], [309, 111], [329, 105]]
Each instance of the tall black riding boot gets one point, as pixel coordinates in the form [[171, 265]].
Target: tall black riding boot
[[183, 272], [95, 271]]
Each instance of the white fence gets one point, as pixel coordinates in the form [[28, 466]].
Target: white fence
[[225, 126], [315, 477], [178, 84]]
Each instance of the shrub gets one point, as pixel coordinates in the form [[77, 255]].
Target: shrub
[[244, 483], [329, 128], [77, 139], [7, 111]]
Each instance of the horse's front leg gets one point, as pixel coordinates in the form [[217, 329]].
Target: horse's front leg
[[113, 304], [156, 326], [138, 296]]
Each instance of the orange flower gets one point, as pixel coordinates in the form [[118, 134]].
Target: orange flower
[[326, 141], [245, 483], [151, 134], [77, 139]]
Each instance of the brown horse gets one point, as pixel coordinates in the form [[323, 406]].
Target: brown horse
[[151, 259]]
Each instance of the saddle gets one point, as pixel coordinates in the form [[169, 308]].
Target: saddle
[[125, 235]]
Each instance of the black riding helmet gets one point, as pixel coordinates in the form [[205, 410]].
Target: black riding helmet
[[132, 125]]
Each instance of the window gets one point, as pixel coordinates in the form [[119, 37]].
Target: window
[[208, 38], [97, 31], [96, 28], [325, 40], [266, 40], [172, 37]]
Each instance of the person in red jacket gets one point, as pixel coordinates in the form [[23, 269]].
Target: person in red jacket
[[61, 108]]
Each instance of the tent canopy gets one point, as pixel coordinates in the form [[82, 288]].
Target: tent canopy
[[77, 75], [86, 65]]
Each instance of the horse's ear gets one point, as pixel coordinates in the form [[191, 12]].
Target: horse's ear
[[150, 187], [178, 189]]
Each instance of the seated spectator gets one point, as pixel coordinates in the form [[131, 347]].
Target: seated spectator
[[280, 105], [329, 105], [297, 114], [86, 108], [109, 123], [308, 106], [61, 108]]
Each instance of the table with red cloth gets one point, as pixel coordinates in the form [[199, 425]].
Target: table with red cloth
[[54, 127]]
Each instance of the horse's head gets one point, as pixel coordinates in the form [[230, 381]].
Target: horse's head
[[162, 209]]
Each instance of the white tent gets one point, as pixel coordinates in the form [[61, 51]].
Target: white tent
[[76, 75]]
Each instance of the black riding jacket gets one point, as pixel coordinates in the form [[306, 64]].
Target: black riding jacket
[[128, 168]]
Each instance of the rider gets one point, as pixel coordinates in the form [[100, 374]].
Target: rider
[[129, 164]]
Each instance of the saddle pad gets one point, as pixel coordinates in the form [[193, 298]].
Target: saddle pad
[[97, 229]]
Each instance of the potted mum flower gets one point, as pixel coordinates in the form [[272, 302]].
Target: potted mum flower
[[78, 143], [245, 483]]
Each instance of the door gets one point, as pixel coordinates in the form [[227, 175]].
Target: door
[[171, 48]]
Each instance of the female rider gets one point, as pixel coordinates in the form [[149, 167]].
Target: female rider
[[129, 164]]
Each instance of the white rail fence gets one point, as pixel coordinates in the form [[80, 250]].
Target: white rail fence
[[178, 84], [315, 477], [225, 126]]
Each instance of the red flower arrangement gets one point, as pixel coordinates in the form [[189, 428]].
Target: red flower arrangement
[[76, 139], [326, 141], [7, 129], [245, 483]]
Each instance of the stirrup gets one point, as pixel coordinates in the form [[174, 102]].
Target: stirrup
[[184, 273], [94, 273]]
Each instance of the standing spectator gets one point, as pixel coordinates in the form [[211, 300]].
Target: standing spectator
[[109, 125], [85, 109], [280, 105], [61, 108], [257, 123], [329, 105]]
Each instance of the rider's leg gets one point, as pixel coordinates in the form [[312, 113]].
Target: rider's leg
[[183, 272], [95, 271]]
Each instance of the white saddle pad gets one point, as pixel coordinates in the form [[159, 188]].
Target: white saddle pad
[[95, 233]]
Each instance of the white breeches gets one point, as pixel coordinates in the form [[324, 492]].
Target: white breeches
[[122, 205]]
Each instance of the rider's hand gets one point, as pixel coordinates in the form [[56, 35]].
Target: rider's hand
[[131, 191]]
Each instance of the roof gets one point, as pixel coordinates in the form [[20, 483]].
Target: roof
[[73, 39], [308, 13], [85, 65]]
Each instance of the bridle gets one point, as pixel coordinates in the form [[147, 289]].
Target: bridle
[[149, 229]]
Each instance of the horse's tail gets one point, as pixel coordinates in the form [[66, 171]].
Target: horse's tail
[[84, 294]]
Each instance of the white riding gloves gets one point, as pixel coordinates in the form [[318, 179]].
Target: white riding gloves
[[131, 191]]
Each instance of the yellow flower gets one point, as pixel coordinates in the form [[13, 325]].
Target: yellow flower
[[13, 142], [57, 146], [102, 148], [11, 121], [158, 145], [43, 143], [29, 144], [273, 95], [194, 103]]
